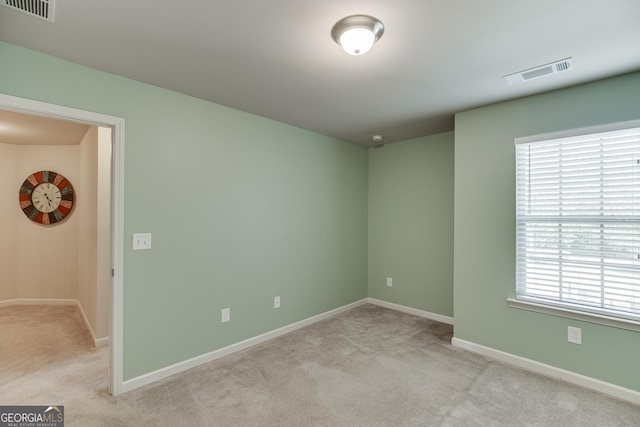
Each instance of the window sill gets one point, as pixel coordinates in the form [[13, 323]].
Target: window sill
[[568, 313]]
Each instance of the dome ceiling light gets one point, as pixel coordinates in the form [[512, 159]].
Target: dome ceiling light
[[357, 33]]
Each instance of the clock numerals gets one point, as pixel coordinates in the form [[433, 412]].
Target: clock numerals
[[65, 206], [56, 216], [32, 180], [31, 212], [57, 180]]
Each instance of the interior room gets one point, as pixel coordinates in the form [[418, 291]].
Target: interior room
[[283, 232]]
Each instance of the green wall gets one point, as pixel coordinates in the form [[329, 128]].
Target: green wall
[[411, 223], [241, 209], [484, 242]]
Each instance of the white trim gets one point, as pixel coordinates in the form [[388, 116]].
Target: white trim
[[162, 373], [37, 301], [616, 391], [97, 342], [87, 323], [116, 328], [38, 108], [578, 131], [102, 342], [416, 312], [598, 319]]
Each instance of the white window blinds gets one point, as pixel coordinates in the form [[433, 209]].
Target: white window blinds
[[578, 222]]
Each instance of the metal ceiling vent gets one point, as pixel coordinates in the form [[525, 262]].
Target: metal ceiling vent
[[541, 71], [39, 8]]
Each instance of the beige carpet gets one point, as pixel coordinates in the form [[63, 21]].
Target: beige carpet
[[367, 367]]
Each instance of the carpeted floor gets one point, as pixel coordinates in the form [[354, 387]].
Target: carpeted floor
[[367, 367]]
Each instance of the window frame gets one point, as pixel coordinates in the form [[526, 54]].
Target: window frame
[[562, 309]]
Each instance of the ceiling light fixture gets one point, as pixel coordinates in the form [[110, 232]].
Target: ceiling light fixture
[[357, 33]]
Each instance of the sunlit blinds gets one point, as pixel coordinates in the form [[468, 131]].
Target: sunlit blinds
[[578, 222]]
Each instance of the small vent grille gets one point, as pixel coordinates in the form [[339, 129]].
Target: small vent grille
[[541, 71], [562, 66], [39, 8]]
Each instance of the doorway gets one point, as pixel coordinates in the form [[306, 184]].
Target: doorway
[[116, 124]]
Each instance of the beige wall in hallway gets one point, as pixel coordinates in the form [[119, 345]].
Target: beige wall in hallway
[[86, 207], [94, 228], [69, 260], [103, 284], [46, 257]]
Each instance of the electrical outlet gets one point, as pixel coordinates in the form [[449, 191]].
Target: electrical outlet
[[141, 241], [276, 302], [574, 335], [225, 315], [389, 282]]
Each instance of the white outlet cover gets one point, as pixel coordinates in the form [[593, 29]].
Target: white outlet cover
[[276, 302], [225, 315], [390, 282], [574, 335], [141, 241]]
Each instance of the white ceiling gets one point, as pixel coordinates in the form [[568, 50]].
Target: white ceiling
[[276, 58]]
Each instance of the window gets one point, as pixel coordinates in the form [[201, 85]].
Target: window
[[578, 222]]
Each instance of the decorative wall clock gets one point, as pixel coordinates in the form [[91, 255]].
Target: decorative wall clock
[[46, 197]]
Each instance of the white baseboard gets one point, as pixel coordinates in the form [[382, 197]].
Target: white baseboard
[[551, 371], [162, 373], [102, 342], [416, 312], [87, 323], [97, 342], [34, 301]]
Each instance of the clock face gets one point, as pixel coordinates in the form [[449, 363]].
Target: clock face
[[46, 197]]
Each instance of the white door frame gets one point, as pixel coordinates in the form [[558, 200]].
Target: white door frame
[[21, 105]]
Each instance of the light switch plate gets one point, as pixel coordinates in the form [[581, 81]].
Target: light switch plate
[[390, 282], [225, 315], [141, 241]]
